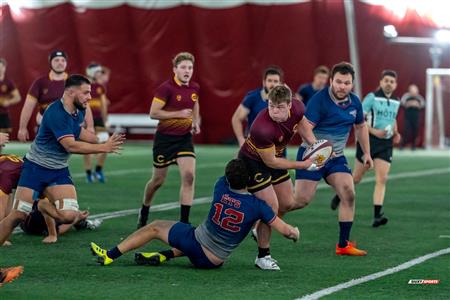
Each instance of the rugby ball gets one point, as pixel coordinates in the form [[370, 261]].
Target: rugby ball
[[320, 152]]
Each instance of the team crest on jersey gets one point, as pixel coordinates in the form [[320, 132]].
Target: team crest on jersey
[[258, 177], [194, 97], [353, 113], [4, 88], [178, 97], [44, 91], [160, 158]]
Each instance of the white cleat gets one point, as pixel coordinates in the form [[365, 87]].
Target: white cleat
[[93, 224], [267, 263]]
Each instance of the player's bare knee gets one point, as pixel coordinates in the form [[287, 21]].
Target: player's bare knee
[[157, 181], [348, 197], [301, 200], [188, 179], [381, 179]]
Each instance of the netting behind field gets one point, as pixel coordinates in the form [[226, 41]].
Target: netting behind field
[[437, 120]]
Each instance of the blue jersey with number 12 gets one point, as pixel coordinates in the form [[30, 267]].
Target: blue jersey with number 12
[[230, 219]]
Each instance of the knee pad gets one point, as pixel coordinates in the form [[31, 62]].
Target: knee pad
[[67, 204], [23, 206]]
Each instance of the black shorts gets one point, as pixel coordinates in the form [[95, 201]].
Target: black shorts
[[99, 125], [167, 148], [379, 148], [261, 176], [35, 224], [5, 122]]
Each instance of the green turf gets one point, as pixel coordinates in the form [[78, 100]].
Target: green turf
[[417, 207]]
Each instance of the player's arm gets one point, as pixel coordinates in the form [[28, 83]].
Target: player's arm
[[112, 145], [25, 115], [396, 137], [157, 111], [14, 98], [104, 108], [239, 116], [52, 236], [305, 130], [285, 229], [270, 160], [362, 135], [4, 138], [196, 120], [88, 136], [89, 119]]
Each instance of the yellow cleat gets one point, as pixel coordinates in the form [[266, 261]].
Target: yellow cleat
[[102, 256], [149, 258]]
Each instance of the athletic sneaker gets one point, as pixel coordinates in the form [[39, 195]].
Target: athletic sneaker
[[149, 258], [93, 224], [267, 263], [142, 219], [9, 274], [335, 202], [350, 249], [102, 257], [89, 178], [381, 220], [100, 177]]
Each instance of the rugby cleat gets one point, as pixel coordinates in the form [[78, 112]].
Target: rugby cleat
[[350, 250], [335, 202], [89, 178], [381, 220], [100, 177], [9, 274], [267, 263], [149, 258], [102, 256], [93, 224]]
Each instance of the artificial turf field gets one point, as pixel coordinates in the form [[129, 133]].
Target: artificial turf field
[[417, 205]]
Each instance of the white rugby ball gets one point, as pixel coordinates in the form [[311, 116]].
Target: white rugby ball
[[320, 152]]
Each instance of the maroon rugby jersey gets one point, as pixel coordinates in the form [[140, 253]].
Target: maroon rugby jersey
[[266, 133], [176, 96], [45, 91], [95, 103], [6, 87], [10, 167]]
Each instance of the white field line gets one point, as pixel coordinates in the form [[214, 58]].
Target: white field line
[[374, 276], [172, 205], [443, 236]]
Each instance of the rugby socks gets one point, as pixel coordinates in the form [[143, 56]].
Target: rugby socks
[[114, 253], [262, 252], [144, 211], [168, 254], [98, 168], [88, 173], [344, 233], [184, 213], [377, 211]]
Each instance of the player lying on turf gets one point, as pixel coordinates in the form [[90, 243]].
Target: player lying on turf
[[9, 274], [231, 217]]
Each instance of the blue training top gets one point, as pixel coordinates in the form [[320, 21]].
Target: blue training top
[[333, 121], [254, 102], [230, 219], [56, 124]]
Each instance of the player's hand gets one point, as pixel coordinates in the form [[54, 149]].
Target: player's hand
[[294, 234], [83, 215], [114, 143], [23, 135], [367, 161], [50, 239], [195, 128], [185, 113], [307, 163], [4, 138], [397, 138]]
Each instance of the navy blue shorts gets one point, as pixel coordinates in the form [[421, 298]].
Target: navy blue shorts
[[182, 237], [335, 165], [38, 178]]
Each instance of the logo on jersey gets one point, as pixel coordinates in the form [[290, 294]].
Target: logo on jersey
[[4, 88], [160, 158], [194, 97], [353, 113], [258, 177], [178, 97]]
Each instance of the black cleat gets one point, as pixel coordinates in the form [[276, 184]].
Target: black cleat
[[381, 220], [335, 202], [149, 258]]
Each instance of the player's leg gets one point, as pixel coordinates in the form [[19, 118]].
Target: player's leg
[[305, 183], [155, 230], [4, 204], [22, 207], [158, 177], [63, 204], [99, 167], [381, 168], [342, 182], [187, 172], [9, 274], [87, 158], [285, 195]]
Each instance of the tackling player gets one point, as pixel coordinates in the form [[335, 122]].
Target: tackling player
[[231, 217], [331, 114]]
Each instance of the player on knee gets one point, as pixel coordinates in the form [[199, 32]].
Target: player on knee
[[380, 108], [45, 170], [231, 217], [331, 114]]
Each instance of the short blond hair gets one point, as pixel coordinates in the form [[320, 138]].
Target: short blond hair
[[181, 57]]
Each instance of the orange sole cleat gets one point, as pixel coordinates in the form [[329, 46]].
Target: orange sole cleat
[[350, 249], [9, 274]]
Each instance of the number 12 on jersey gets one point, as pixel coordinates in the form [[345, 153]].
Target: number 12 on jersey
[[230, 220]]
